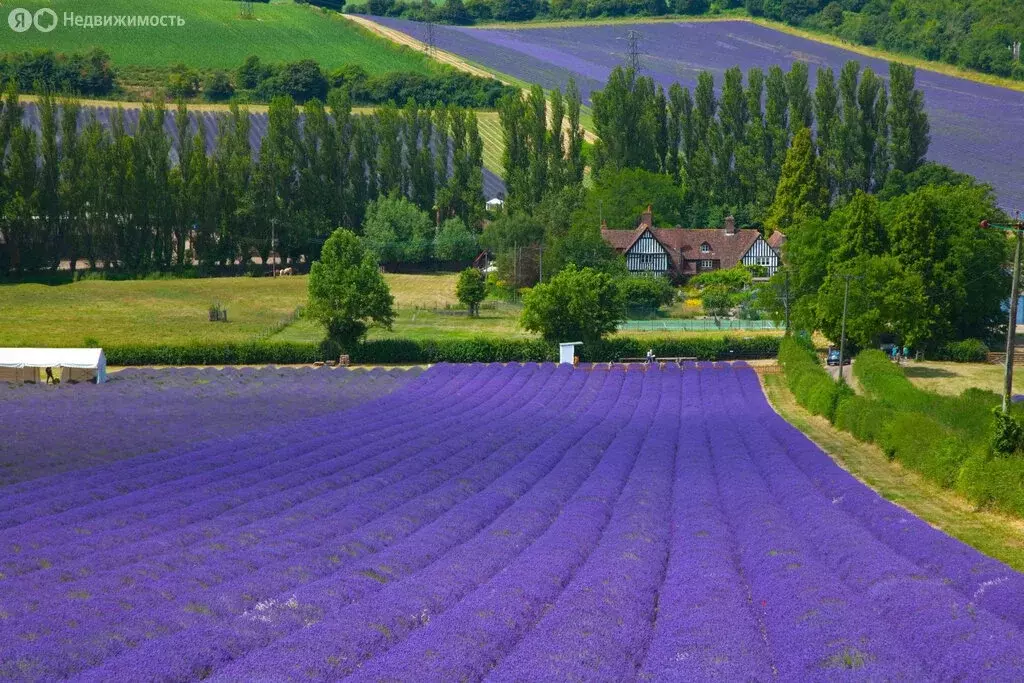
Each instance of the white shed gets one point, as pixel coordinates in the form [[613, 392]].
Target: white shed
[[78, 365], [494, 204], [567, 352]]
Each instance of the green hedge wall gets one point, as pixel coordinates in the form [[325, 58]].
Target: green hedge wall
[[403, 351], [944, 438], [810, 383]]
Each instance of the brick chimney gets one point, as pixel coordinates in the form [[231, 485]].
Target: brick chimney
[[730, 225], [647, 218]]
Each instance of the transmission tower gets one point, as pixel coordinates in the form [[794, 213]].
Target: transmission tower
[[633, 50], [246, 9], [428, 40]]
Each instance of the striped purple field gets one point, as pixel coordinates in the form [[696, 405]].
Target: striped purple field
[[496, 522], [974, 127]]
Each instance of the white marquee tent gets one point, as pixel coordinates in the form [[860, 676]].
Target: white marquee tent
[[20, 365]]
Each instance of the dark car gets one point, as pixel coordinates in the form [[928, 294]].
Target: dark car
[[833, 358]]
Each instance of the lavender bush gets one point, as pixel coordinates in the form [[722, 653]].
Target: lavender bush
[[519, 522], [971, 123]]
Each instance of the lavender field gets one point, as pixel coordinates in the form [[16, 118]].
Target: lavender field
[[502, 523], [49, 429], [974, 126]]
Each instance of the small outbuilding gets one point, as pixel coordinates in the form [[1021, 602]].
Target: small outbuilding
[[495, 204], [21, 365]]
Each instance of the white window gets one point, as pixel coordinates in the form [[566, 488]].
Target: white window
[[707, 264], [705, 248], [765, 261]]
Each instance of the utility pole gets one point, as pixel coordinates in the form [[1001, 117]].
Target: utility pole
[[1017, 228], [273, 248], [429, 40], [785, 296], [842, 334]]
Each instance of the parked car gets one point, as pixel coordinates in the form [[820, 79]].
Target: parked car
[[833, 358]]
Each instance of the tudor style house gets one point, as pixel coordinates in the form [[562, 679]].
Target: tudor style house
[[684, 252]]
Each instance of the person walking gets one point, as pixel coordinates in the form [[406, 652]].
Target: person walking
[[650, 356]]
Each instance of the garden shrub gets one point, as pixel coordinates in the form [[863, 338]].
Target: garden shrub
[[966, 351], [925, 445]]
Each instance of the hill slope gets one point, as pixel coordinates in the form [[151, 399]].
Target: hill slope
[[216, 36]]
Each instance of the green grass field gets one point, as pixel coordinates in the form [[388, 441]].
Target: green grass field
[[216, 36]]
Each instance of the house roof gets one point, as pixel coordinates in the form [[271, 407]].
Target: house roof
[[776, 240], [683, 244]]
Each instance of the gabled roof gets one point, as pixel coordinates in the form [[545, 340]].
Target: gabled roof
[[776, 241], [622, 240]]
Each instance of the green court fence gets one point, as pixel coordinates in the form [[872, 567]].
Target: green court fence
[[711, 325]]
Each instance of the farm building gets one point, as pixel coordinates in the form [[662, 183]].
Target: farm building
[[684, 252]]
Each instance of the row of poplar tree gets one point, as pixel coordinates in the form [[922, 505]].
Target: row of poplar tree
[[74, 188], [726, 149]]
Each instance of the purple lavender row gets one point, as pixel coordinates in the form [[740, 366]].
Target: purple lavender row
[[815, 626], [706, 626], [35, 448], [465, 641], [86, 484], [287, 558], [271, 617], [986, 581], [248, 464], [252, 512], [456, 555], [954, 637], [596, 627]]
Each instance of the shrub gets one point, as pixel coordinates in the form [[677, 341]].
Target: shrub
[[925, 445], [1007, 434], [997, 483], [862, 417], [966, 351], [219, 87]]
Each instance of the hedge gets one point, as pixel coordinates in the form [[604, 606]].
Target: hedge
[[214, 353], [471, 350], [810, 383], [944, 438]]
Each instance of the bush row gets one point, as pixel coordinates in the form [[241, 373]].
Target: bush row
[[810, 383], [472, 350], [944, 438]]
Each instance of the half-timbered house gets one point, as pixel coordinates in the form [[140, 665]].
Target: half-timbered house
[[684, 252]]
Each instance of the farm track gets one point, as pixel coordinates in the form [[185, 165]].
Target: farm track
[[506, 522]]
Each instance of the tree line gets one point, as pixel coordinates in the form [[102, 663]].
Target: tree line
[[726, 149], [93, 74], [976, 34], [117, 199]]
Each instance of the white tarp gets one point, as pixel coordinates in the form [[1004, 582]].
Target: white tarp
[[83, 359]]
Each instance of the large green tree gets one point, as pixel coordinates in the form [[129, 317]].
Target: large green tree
[[347, 292], [800, 193], [576, 305]]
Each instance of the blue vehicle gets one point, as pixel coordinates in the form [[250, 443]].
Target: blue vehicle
[[833, 358]]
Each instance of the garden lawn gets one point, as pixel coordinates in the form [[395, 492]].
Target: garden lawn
[[175, 311], [953, 378], [215, 36]]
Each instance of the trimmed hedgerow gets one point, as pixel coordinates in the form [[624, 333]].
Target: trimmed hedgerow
[[403, 351], [810, 383]]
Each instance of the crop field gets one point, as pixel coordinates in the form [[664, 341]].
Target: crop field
[[971, 123], [208, 121], [500, 522], [216, 36], [140, 410]]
